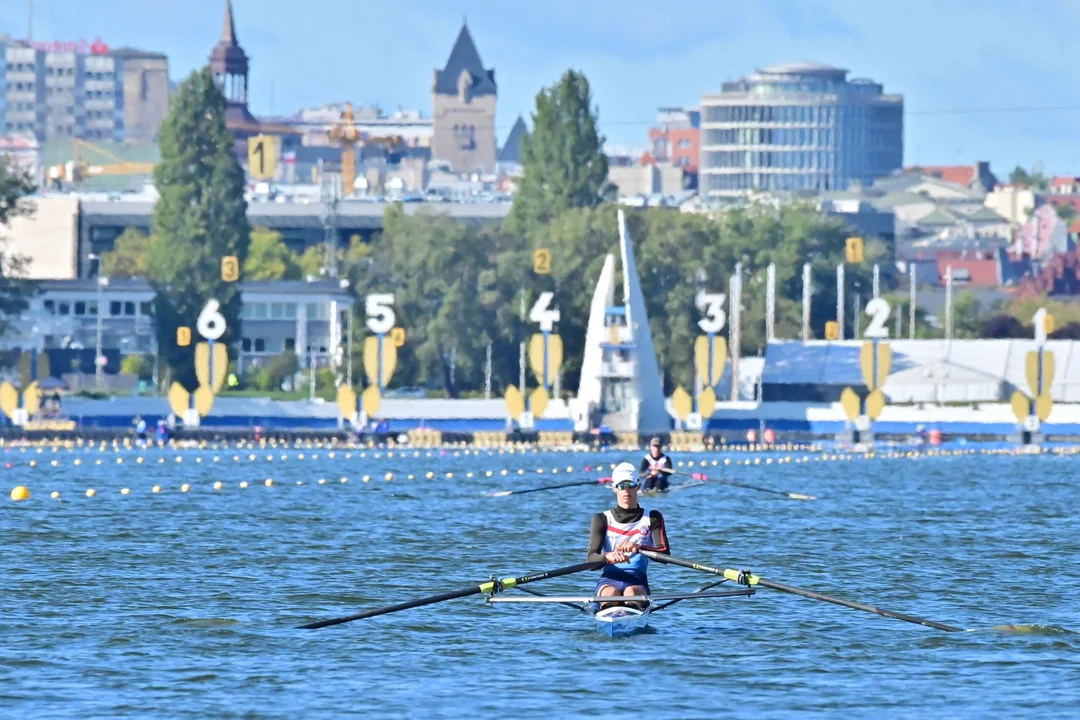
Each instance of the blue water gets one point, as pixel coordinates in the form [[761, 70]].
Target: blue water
[[185, 604]]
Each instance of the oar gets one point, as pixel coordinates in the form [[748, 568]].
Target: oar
[[579, 483], [579, 608], [490, 587], [703, 477], [746, 578], [710, 586]]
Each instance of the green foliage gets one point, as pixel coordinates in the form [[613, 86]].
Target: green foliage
[[138, 365], [269, 258], [273, 373], [312, 262], [199, 218], [563, 159], [15, 289], [967, 319], [1034, 179], [457, 288], [130, 256], [450, 281]]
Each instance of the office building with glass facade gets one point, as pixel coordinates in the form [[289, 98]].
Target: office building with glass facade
[[798, 127]]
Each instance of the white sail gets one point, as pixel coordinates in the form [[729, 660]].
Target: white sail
[[589, 391], [649, 387]]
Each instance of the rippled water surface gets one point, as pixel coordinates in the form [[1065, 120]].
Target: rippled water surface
[[185, 604]]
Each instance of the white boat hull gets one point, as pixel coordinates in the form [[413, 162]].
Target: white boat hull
[[620, 620]]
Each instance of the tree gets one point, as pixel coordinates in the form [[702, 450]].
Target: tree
[[312, 261], [269, 258], [130, 256], [968, 317], [15, 185], [199, 218], [436, 268], [563, 159]]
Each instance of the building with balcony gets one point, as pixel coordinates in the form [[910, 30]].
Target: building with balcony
[[308, 318], [798, 127]]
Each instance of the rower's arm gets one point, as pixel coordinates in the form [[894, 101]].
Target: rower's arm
[[644, 467], [659, 534], [596, 538]]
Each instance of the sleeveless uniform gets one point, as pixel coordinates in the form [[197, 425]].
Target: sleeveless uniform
[[633, 571], [656, 480]]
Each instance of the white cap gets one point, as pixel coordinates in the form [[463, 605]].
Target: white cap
[[623, 472]]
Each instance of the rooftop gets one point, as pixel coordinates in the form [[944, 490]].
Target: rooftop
[[802, 68]]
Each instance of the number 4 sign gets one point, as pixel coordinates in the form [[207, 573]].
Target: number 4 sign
[[542, 314]]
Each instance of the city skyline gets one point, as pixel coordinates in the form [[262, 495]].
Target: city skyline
[[965, 86]]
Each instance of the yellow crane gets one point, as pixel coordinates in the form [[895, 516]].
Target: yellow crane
[[347, 135], [77, 170]]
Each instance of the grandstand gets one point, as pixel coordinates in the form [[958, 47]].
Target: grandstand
[[923, 371]]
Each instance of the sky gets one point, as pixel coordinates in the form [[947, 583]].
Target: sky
[[981, 79]]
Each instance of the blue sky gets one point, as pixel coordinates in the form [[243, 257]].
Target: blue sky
[[942, 55]]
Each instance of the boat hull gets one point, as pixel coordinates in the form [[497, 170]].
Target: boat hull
[[620, 621]]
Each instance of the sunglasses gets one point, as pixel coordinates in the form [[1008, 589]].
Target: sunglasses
[[626, 485]]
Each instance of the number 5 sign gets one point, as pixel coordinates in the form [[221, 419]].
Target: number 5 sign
[[380, 312]]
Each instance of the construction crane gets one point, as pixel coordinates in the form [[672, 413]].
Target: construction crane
[[77, 170], [347, 135]]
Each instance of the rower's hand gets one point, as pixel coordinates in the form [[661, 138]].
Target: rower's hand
[[615, 557], [627, 547]]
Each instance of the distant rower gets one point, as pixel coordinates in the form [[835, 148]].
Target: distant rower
[[617, 535], [653, 466]]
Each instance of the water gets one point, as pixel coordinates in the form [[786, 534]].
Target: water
[[184, 604]]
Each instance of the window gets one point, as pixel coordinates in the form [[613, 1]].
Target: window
[[115, 306], [245, 344], [684, 143], [91, 307], [50, 306], [290, 343], [64, 308], [258, 311], [290, 311], [129, 308], [277, 311], [80, 308], [260, 345], [145, 309]]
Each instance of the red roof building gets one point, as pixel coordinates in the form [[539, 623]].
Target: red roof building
[[977, 268]]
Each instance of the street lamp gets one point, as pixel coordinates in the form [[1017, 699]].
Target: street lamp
[[99, 366], [349, 329]]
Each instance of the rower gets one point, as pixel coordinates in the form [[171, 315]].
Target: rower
[[617, 535], [653, 467]]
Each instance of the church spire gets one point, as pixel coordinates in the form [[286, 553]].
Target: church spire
[[228, 29], [229, 62]]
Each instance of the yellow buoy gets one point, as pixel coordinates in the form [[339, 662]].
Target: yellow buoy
[[55, 495], [125, 491], [269, 482], [243, 483], [389, 476], [91, 492], [322, 481], [19, 492], [185, 487], [430, 475], [156, 489], [218, 485]]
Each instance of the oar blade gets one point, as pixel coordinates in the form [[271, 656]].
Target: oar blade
[[503, 493], [800, 496]]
